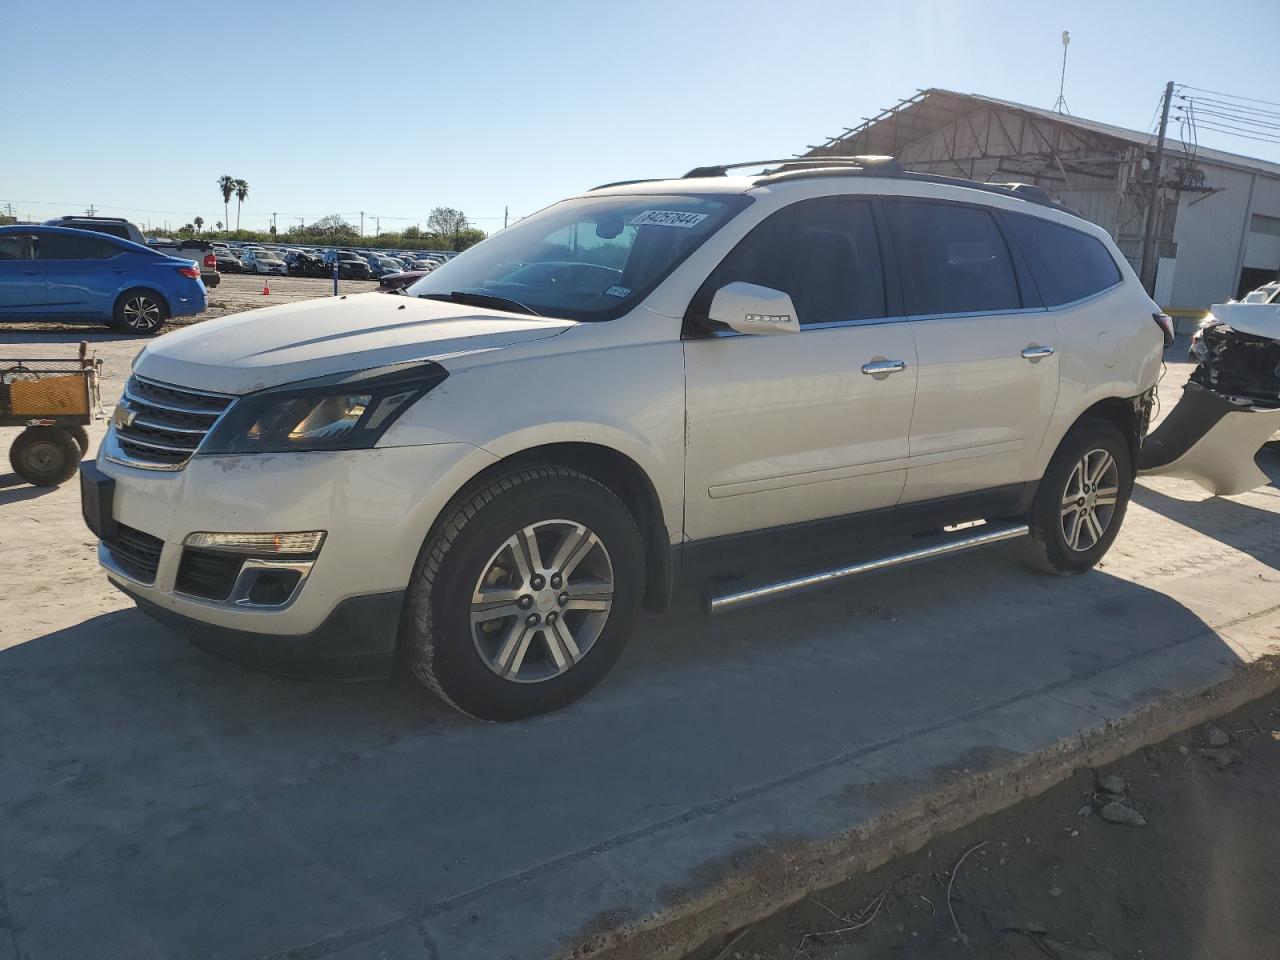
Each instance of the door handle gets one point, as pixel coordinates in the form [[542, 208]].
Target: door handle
[[31, 273], [1035, 353], [882, 368]]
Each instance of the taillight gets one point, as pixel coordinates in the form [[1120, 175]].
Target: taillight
[[192, 272], [1165, 323], [211, 261]]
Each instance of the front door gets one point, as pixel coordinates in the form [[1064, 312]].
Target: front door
[[988, 370], [789, 428], [21, 277]]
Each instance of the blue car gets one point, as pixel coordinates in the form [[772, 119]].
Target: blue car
[[61, 274]]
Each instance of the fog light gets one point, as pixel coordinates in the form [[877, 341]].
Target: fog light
[[270, 588], [259, 544]]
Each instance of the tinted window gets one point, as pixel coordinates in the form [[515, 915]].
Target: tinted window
[[823, 253], [16, 248], [953, 259], [1066, 263], [69, 247], [113, 229]]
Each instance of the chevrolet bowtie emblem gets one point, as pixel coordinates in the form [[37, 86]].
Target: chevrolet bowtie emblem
[[124, 417]]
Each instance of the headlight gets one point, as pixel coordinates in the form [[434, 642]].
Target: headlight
[[350, 411]]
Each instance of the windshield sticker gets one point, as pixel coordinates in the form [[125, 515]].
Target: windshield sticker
[[618, 292], [668, 218]]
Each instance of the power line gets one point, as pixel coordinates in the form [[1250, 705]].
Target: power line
[[1232, 96], [1234, 133]]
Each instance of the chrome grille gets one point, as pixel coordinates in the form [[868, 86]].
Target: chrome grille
[[161, 426]]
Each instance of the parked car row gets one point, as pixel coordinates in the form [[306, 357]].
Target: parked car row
[[316, 262]]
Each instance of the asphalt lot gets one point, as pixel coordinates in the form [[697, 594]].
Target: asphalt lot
[[158, 802]]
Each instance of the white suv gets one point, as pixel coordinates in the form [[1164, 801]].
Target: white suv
[[491, 475]]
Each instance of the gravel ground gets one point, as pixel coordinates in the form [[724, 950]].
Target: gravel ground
[[1170, 853]]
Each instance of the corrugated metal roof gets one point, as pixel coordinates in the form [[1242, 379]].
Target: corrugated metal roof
[[926, 118]]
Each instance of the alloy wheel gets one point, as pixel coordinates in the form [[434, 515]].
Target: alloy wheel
[[542, 600], [1089, 500], [141, 312]]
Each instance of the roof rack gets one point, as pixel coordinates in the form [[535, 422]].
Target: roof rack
[[799, 168], [869, 162]]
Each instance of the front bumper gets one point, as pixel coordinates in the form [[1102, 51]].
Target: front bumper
[[375, 506], [356, 641]]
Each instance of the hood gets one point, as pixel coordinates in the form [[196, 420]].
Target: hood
[[1258, 319], [265, 348]]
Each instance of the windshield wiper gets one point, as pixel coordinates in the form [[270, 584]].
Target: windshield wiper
[[481, 300]]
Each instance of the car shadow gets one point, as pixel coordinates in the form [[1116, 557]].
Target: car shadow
[[61, 333], [1231, 522]]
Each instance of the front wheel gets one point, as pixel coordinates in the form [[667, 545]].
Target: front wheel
[[525, 594], [140, 311], [1081, 500]]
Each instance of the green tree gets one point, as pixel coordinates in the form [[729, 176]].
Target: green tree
[[227, 184], [199, 222], [447, 223], [242, 193]]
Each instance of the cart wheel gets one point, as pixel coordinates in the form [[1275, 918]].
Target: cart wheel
[[45, 456], [82, 438]]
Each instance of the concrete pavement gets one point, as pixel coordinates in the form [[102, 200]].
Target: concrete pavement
[[158, 802]]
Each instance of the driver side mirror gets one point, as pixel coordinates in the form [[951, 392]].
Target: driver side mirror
[[752, 309]]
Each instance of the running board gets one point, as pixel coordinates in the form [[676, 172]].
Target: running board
[[966, 539]]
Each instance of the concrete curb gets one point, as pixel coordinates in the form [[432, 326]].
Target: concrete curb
[[783, 873]]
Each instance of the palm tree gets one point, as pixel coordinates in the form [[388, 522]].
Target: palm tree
[[199, 222], [242, 191], [227, 184], [218, 226]]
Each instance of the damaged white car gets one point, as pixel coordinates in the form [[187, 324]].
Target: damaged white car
[[1231, 405]]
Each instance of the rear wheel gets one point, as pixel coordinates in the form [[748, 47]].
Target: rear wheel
[[44, 456], [525, 595], [1081, 500], [140, 311], [81, 437]]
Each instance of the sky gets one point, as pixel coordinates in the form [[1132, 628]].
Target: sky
[[324, 107]]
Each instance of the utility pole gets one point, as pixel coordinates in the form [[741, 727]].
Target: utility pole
[[504, 217], [273, 222], [1148, 233], [377, 225], [362, 223]]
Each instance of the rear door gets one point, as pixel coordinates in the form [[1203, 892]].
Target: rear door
[[22, 289], [784, 429], [82, 273], [988, 372]]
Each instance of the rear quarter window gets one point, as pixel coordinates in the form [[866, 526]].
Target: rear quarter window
[[1067, 264]]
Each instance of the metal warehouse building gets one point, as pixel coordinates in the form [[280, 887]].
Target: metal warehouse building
[[1218, 214]]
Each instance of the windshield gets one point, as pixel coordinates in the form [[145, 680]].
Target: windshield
[[592, 258]]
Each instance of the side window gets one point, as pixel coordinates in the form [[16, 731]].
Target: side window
[[16, 248], [953, 259], [823, 253], [1067, 264], [59, 246]]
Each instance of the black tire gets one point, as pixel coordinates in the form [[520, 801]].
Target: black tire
[[81, 437], [437, 638], [140, 311], [1048, 549], [45, 456]]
